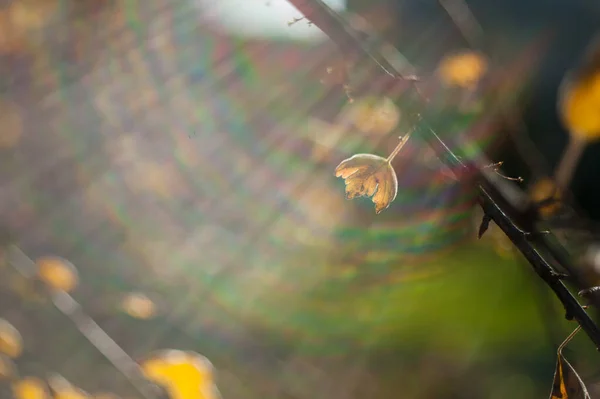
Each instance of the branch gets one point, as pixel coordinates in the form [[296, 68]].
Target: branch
[[515, 222]]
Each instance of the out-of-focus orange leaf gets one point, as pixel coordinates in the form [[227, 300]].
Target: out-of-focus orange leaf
[[579, 99], [30, 388], [369, 176], [580, 107], [58, 273], [545, 190], [11, 342], [567, 383], [183, 374], [138, 305], [374, 115], [464, 69]]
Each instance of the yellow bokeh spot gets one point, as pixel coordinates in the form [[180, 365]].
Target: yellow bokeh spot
[[542, 190], [30, 388], [58, 273], [463, 69], [11, 342], [580, 108], [8, 370], [139, 306], [375, 115], [184, 375], [11, 122]]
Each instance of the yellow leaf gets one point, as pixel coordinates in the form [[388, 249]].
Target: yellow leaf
[[567, 383], [463, 70], [369, 176], [11, 343], [58, 273], [184, 375], [30, 388]]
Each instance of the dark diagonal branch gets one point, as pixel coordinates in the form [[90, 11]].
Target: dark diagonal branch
[[548, 258]]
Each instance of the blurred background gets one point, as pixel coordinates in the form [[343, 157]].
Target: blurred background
[[180, 155]]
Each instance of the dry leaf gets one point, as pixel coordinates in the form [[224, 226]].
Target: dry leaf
[[567, 383], [370, 176]]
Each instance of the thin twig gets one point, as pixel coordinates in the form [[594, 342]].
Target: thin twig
[[88, 327], [399, 146]]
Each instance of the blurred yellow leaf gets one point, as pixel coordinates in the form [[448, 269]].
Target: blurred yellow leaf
[[11, 342], [370, 176], [374, 115], [542, 190], [463, 70], [579, 99], [138, 305], [185, 375], [8, 369], [30, 388], [580, 107], [63, 389], [58, 273]]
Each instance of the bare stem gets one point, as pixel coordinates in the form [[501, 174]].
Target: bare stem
[[399, 147], [568, 163], [567, 340]]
